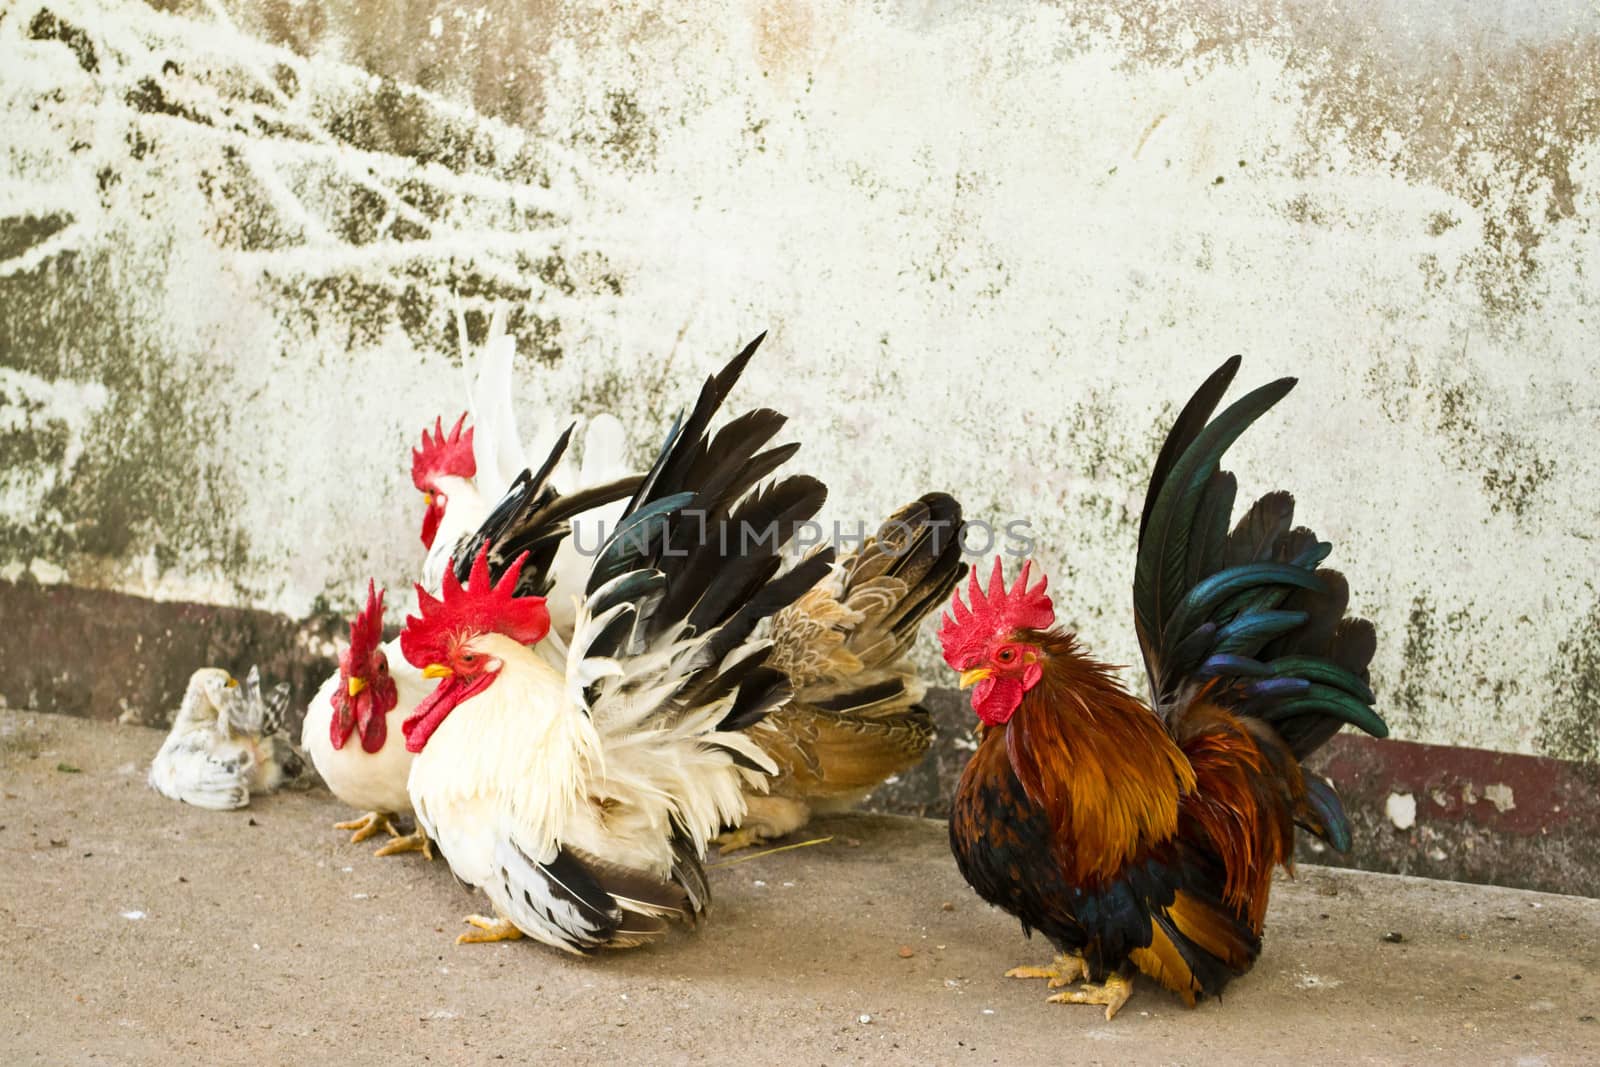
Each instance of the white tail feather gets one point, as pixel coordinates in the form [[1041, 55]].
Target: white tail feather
[[496, 444]]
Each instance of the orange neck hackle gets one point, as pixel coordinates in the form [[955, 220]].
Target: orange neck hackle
[[1097, 760]]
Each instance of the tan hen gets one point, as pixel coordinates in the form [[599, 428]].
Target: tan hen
[[855, 720]]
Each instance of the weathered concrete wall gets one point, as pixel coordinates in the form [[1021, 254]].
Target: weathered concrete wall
[[996, 246]]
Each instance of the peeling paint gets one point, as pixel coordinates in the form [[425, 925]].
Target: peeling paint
[[1501, 796], [1500, 818], [1401, 808]]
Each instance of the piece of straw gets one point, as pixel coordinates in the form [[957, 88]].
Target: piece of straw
[[769, 852]]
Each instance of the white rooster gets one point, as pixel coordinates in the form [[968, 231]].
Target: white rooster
[[578, 783], [458, 472], [463, 474], [348, 734]]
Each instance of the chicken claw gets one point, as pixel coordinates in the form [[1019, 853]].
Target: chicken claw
[[371, 824], [1113, 993], [492, 930], [735, 840], [1063, 970], [416, 841]]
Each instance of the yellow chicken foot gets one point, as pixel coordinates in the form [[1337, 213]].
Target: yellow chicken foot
[[489, 930], [371, 824], [1113, 993], [735, 840], [416, 841], [1064, 970]]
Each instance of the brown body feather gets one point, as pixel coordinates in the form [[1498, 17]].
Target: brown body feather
[[1097, 762], [856, 717]]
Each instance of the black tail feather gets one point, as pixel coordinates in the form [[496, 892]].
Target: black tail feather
[[1191, 420], [533, 518], [1251, 608], [717, 582]]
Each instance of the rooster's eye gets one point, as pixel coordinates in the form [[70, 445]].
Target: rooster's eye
[[1006, 655]]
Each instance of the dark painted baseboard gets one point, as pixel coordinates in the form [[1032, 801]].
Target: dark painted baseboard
[[1480, 816], [1491, 817], [109, 655]]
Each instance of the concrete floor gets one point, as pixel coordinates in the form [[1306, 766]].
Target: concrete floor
[[137, 930]]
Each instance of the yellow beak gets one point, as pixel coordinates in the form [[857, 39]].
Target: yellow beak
[[436, 670], [974, 676], [427, 499], [232, 683], [357, 685]]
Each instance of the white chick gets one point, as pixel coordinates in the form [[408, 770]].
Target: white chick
[[225, 744]]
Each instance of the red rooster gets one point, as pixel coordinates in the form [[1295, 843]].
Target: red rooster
[[1143, 836]]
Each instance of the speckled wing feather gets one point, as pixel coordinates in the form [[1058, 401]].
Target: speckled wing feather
[[855, 719], [202, 768], [258, 714], [258, 717]]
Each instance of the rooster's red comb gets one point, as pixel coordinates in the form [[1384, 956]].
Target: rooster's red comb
[[442, 455], [366, 631], [462, 613], [966, 632]]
